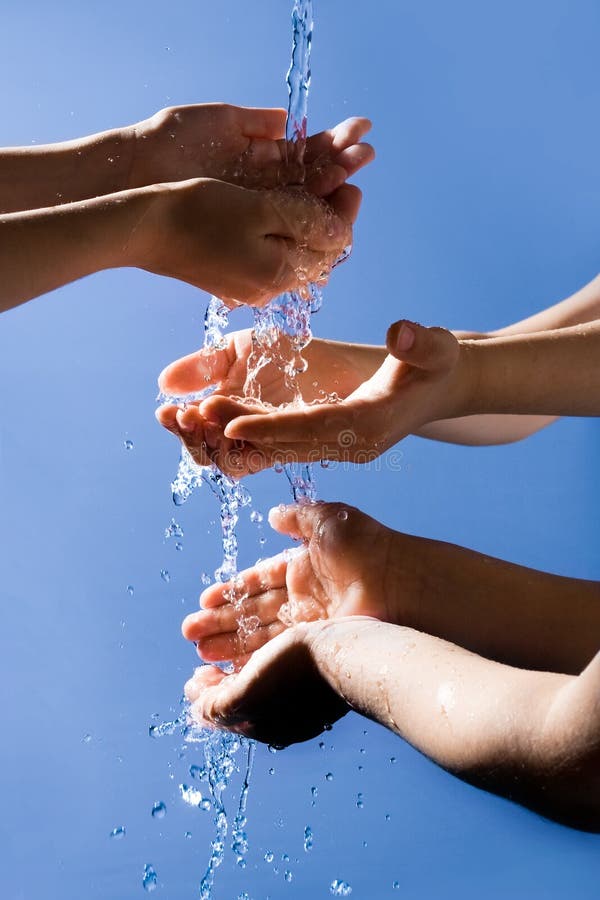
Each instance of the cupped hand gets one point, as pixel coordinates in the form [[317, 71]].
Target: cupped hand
[[243, 245], [278, 698], [377, 401], [348, 564], [425, 376], [333, 367], [243, 146]]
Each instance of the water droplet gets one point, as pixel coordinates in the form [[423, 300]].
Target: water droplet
[[159, 810], [329, 776], [315, 792], [278, 468], [164, 574], [392, 759], [256, 517], [340, 888], [205, 578], [359, 800], [179, 546], [130, 590], [321, 745], [150, 878], [173, 530], [285, 857], [118, 832], [272, 748], [396, 885], [128, 444], [288, 876], [271, 771], [325, 463], [308, 839], [342, 515], [198, 772], [387, 817], [269, 856], [188, 835], [86, 738]]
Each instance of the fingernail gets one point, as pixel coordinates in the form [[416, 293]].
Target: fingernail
[[406, 337]]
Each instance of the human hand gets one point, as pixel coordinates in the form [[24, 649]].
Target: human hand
[[240, 244], [426, 376], [243, 146], [378, 400], [349, 565], [333, 366], [278, 698]]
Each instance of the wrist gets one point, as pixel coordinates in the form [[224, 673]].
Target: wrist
[[464, 397]]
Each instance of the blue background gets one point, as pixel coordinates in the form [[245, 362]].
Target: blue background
[[481, 208]]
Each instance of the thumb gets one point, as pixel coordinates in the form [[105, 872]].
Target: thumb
[[432, 349]]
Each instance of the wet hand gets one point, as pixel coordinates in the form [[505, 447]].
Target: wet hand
[[332, 367], [242, 245], [243, 146], [425, 376], [278, 698], [347, 565]]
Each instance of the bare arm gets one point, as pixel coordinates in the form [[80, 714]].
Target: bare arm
[[53, 174], [234, 242], [533, 737], [583, 306]]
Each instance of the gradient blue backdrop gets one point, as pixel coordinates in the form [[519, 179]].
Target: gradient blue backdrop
[[482, 207]]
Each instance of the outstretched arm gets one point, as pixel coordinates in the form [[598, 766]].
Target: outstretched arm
[[209, 140], [238, 243], [581, 307], [531, 736]]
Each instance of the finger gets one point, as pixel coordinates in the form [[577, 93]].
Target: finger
[[267, 575], [354, 158], [203, 677], [184, 424], [226, 619], [311, 426], [231, 645], [345, 202], [432, 349], [336, 139], [349, 132], [257, 122], [301, 520], [196, 371], [167, 417]]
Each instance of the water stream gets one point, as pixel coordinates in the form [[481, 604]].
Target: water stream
[[281, 331]]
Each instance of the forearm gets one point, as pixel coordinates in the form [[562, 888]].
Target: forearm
[[499, 727], [43, 249], [52, 174], [583, 306], [550, 373], [507, 612]]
